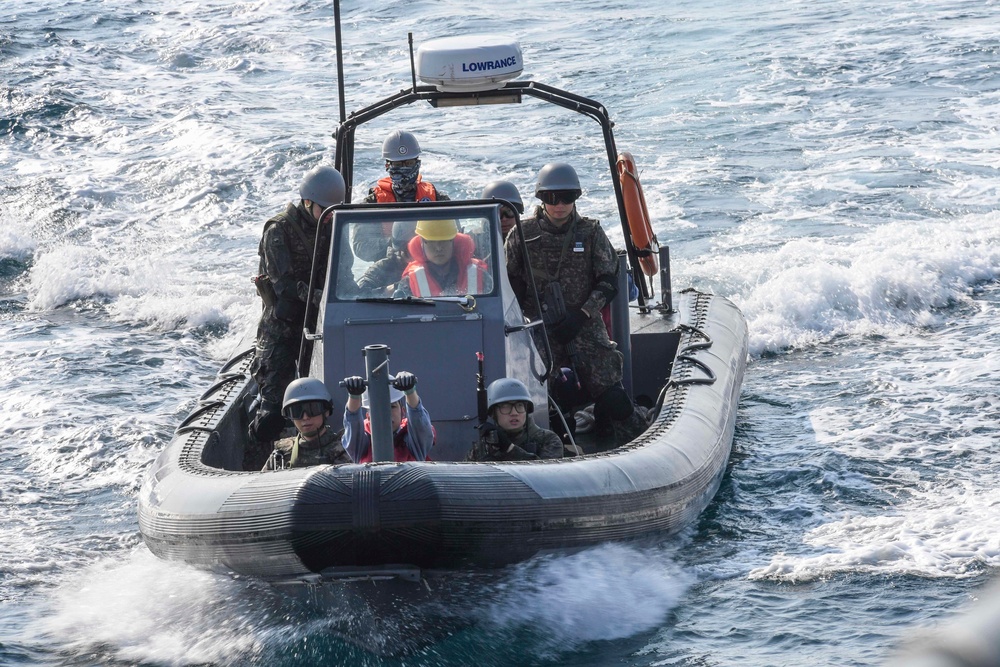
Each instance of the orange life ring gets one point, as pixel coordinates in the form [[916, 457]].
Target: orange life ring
[[643, 237]]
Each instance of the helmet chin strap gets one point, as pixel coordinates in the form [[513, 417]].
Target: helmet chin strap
[[314, 433]]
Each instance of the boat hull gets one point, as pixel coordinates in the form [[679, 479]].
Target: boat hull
[[195, 505]]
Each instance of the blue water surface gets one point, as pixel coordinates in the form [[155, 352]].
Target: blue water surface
[[829, 166]]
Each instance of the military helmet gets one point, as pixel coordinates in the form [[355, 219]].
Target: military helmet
[[506, 390], [324, 186], [402, 232], [504, 190], [437, 230], [306, 389], [400, 145], [557, 176]]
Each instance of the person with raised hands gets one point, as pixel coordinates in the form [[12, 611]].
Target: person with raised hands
[[412, 434]]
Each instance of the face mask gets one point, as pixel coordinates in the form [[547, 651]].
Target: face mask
[[404, 179]]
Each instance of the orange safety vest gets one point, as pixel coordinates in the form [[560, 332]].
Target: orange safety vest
[[385, 195], [470, 275]]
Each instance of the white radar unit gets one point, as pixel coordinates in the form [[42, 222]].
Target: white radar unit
[[469, 63]]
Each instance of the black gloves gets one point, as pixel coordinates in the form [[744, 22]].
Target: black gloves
[[569, 326], [493, 437], [406, 382], [355, 385], [266, 426]]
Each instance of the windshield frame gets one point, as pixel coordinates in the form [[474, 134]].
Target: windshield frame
[[348, 215]]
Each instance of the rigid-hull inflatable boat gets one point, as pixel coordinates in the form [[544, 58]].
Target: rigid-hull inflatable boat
[[685, 356]]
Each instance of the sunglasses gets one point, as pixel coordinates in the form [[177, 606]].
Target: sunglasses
[[553, 197], [306, 409], [506, 213], [412, 162], [507, 408]]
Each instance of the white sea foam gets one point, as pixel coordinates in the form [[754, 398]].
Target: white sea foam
[[14, 243], [151, 611], [572, 597], [941, 531], [889, 281], [930, 429]]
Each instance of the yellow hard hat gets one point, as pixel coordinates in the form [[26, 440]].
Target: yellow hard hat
[[437, 230]]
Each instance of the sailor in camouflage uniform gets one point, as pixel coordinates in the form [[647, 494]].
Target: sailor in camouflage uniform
[[381, 277], [404, 184], [574, 251], [286, 255], [307, 403], [510, 434]]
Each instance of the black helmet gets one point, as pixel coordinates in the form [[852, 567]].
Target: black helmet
[[557, 176], [324, 186], [504, 190]]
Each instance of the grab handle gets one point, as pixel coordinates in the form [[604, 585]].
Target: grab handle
[[691, 347], [184, 427], [710, 379]]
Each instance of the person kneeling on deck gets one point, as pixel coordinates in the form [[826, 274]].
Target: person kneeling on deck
[[510, 434], [307, 403], [443, 263], [412, 436]]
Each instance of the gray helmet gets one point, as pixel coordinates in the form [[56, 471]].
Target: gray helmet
[[323, 185], [306, 389], [400, 145], [402, 232], [557, 176], [504, 190], [506, 390]]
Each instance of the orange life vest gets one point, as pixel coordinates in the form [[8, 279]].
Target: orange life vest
[[385, 195], [470, 273]]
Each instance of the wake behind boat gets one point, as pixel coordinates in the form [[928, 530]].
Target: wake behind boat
[[685, 356]]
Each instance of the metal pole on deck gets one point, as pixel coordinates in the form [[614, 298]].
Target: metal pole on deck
[[379, 410], [620, 321], [666, 292]]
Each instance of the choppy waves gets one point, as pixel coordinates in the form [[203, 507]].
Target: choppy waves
[[831, 168]]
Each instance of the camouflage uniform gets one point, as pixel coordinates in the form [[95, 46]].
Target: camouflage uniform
[[384, 273], [530, 443], [326, 449], [286, 258], [579, 256], [598, 362]]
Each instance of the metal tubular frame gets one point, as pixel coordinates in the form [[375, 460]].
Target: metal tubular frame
[[344, 160]]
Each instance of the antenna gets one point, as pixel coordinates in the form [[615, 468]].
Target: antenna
[[413, 68], [340, 61]]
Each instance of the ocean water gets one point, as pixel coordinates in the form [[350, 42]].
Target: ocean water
[[831, 166]]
